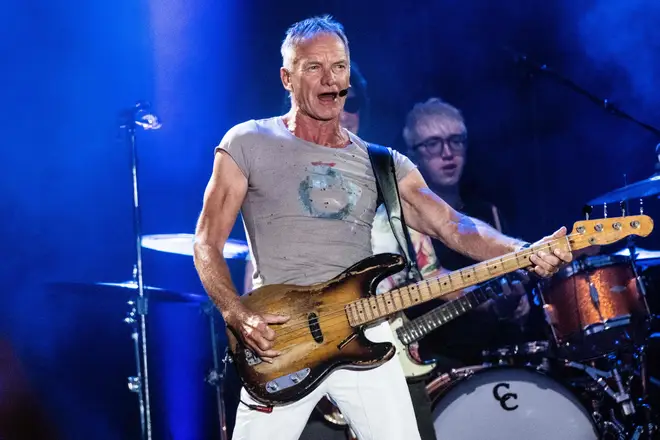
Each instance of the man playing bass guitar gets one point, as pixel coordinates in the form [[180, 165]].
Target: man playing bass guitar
[[308, 198]]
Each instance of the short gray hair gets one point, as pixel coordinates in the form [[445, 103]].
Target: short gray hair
[[309, 28], [431, 107]]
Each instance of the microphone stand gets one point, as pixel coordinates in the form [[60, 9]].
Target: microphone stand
[[139, 384], [605, 103]]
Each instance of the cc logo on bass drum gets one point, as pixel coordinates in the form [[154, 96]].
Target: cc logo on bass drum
[[504, 398]]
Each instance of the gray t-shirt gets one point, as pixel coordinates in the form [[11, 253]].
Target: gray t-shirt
[[309, 209]]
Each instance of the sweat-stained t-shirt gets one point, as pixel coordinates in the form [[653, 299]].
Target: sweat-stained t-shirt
[[309, 209]]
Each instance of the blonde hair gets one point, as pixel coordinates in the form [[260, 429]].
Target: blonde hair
[[429, 108]]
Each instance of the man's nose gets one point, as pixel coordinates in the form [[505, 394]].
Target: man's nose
[[446, 152], [329, 78]]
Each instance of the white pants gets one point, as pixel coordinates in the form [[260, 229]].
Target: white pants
[[376, 403]]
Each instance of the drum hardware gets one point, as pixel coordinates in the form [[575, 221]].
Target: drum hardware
[[644, 188], [451, 376], [182, 244], [533, 354], [610, 427], [620, 396], [216, 375], [139, 115], [127, 290]]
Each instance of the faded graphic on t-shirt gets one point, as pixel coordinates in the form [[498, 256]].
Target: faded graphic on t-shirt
[[326, 194], [308, 210]]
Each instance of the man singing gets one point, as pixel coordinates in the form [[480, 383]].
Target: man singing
[[308, 198]]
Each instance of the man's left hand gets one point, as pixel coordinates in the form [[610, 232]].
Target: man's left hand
[[547, 264]]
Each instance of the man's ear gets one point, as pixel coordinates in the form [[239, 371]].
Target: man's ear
[[285, 76]]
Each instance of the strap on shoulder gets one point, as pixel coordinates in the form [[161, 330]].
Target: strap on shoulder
[[388, 194]]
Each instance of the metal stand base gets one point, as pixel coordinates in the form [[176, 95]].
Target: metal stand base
[[216, 376]]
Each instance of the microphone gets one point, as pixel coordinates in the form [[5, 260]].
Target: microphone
[[343, 93]]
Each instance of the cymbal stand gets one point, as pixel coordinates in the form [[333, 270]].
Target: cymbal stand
[[216, 376], [137, 317], [641, 354]]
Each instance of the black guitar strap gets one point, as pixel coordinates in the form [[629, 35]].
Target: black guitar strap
[[388, 194]]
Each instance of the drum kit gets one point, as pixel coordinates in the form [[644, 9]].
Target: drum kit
[[590, 379]]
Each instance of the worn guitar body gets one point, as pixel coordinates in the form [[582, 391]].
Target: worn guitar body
[[326, 342]]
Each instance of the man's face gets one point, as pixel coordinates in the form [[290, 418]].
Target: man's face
[[439, 146], [319, 72], [350, 117]]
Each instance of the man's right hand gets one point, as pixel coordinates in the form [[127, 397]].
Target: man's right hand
[[254, 331]]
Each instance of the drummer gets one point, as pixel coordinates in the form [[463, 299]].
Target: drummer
[[435, 134]]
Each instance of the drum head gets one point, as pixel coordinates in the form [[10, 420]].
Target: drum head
[[511, 403]]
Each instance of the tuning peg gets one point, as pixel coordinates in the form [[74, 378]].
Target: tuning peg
[[641, 206], [586, 210], [604, 210], [622, 205]]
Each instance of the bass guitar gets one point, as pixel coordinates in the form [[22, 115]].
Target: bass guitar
[[326, 326]]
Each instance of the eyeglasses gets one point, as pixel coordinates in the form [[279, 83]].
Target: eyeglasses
[[352, 104], [436, 144]]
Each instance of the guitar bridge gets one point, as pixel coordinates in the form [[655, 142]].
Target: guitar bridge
[[284, 382]]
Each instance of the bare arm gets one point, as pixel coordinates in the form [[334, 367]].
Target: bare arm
[[429, 214], [223, 198]]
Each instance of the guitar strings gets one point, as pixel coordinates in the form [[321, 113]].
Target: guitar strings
[[303, 324], [325, 327], [332, 310], [343, 321]]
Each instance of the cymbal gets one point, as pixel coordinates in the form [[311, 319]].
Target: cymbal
[[182, 244], [642, 255], [128, 289], [643, 188]]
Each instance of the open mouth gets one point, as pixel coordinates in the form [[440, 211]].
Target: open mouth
[[449, 167], [328, 97]]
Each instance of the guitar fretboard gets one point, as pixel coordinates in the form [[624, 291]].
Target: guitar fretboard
[[370, 309], [416, 329]]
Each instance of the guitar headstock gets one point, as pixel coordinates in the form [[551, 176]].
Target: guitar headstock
[[605, 231]]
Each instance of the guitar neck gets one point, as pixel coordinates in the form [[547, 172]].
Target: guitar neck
[[370, 309], [417, 328]]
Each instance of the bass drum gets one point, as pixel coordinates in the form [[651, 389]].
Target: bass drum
[[505, 403]]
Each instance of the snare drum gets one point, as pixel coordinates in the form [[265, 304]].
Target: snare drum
[[593, 306], [503, 403]]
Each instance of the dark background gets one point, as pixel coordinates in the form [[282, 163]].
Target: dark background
[[537, 149]]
